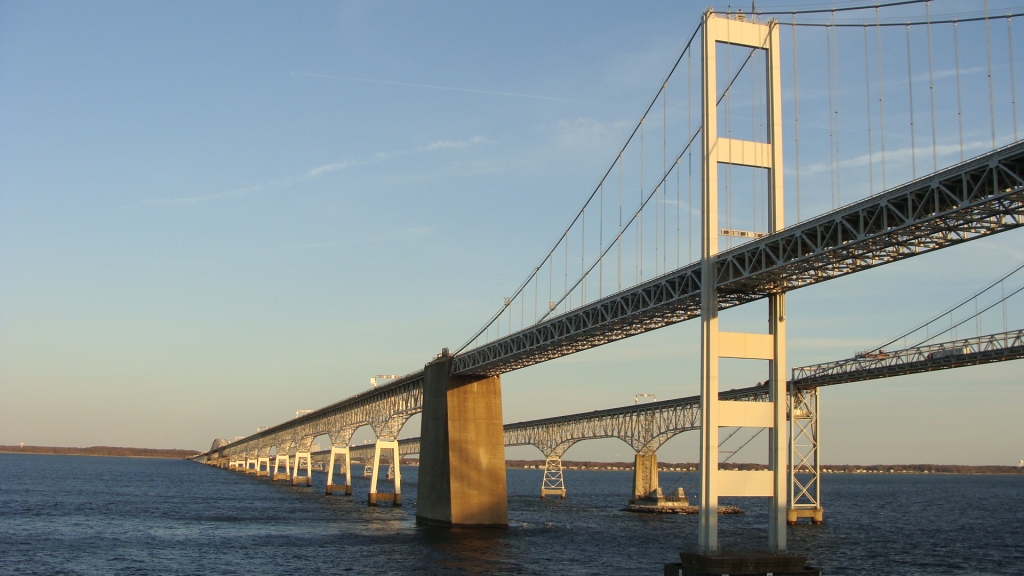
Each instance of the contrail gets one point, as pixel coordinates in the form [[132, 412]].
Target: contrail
[[453, 89]]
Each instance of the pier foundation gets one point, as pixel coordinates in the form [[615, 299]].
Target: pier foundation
[[462, 450], [645, 475], [394, 497], [339, 456], [300, 459]]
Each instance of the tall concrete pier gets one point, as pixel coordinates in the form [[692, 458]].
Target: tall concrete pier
[[462, 451]]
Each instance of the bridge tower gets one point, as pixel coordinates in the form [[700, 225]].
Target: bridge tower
[[717, 344]]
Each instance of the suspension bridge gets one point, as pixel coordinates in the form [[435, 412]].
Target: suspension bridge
[[702, 172]]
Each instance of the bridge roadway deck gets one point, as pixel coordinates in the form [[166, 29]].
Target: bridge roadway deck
[[978, 197]]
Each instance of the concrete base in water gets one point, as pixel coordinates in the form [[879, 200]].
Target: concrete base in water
[[462, 450], [374, 497], [740, 563], [346, 488], [814, 514]]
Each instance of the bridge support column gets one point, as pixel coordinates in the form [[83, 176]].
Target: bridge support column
[[279, 459], [262, 461], [553, 483], [339, 454], [250, 465], [300, 458], [805, 457], [373, 497], [462, 449], [645, 475]]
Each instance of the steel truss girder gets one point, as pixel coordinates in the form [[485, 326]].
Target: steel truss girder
[[975, 198], [955, 354]]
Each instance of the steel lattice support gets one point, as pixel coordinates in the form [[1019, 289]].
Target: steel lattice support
[[553, 483], [805, 457]]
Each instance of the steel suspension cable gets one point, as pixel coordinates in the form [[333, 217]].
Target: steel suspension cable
[[634, 218], [952, 309], [844, 9], [550, 253], [645, 200], [977, 314]]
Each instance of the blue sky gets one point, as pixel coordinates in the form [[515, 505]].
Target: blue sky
[[212, 215]]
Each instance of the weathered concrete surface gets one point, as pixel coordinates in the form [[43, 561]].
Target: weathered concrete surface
[[645, 475], [462, 450]]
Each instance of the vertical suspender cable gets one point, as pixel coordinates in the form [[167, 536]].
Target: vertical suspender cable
[[867, 100], [796, 121], [689, 169], [910, 85], [753, 136], [618, 239], [565, 282], [664, 173], [1013, 82], [600, 244], [991, 96], [638, 268], [678, 198], [1002, 294], [959, 107], [583, 251], [831, 143], [931, 86], [881, 101], [835, 84]]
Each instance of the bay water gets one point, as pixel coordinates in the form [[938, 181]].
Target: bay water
[[95, 515]]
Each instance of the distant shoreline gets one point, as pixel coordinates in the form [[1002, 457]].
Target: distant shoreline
[[116, 451], [825, 468]]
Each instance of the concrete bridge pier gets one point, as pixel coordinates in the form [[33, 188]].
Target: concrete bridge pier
[[462, 449], [645, 474], [250, 465], [300, 458], [396, 497], [279, 459], [263, 466], [340, 455]]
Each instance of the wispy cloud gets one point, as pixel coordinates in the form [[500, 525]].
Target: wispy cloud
[[448, 88], [900, 155], [316, 172], [452, 144]]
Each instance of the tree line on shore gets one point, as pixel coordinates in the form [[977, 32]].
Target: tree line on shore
[[102, 451]]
